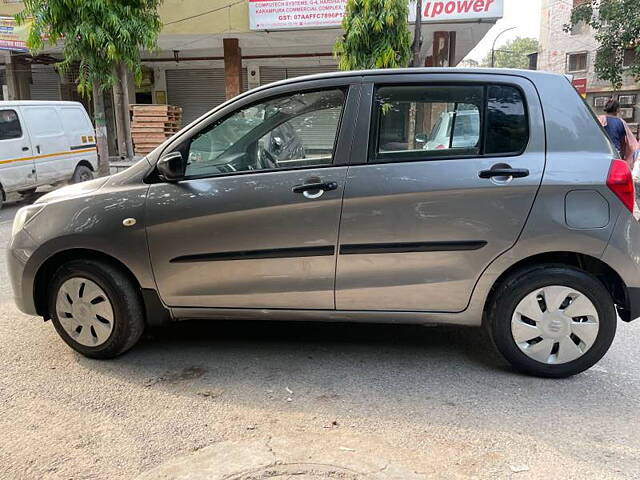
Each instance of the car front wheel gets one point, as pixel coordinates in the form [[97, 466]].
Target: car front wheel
[[552, 321], [96, 308]]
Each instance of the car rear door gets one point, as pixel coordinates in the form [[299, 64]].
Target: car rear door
[[17, 170], [422, 221], [245, 230]]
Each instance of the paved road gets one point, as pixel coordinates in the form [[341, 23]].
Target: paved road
[[435, 402]]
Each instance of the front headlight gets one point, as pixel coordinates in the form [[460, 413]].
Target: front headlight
[[25, 215]]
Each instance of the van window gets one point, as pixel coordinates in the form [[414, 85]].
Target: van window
[[507, 125], [75, 120], [9, 125], [43, 121], [428, 121]]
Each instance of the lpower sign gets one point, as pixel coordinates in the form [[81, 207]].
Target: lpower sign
[[300, 14]]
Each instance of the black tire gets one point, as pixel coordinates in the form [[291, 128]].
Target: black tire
[[125, 299], [509, 294], [82, 174]]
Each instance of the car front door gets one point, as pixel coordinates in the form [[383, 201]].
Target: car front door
[[246, 229], [424, 216], [17, 169]]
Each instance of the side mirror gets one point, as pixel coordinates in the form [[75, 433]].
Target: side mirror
[[422, 138], [171, 167]]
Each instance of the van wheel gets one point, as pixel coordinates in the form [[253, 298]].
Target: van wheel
[[95, 308], [82, 174], [552, 321]]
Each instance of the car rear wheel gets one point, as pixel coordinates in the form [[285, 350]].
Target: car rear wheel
[[82, 174], [552, 321], [96, 308]]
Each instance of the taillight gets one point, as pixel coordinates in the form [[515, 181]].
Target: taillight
[[620, 182]]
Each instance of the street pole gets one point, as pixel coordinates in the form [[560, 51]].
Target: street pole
[[416, 47], [493, 47]]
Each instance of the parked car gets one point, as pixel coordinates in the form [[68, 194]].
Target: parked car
[[528, 230], [466, 125], [44, 143]]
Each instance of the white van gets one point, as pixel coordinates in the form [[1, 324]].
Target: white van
[[44, 143]]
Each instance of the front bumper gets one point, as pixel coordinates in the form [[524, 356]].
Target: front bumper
[[18, 255]]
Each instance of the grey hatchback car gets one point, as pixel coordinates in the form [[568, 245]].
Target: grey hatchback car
[[526, 229]]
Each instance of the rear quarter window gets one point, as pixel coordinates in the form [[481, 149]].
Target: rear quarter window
[[75, 120], [507, 124]]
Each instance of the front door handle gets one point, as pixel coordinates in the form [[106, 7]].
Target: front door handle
[[315, 187], [504, 172], [25, 149]]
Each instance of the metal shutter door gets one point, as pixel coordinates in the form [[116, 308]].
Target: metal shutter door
[[322, 135], [197, 90], [274, 74], [45, 84]]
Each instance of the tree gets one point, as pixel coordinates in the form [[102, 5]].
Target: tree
[[103, 36], [513, 54], [376, 35], [617, 29]]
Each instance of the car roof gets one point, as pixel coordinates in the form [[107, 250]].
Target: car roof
[[34, 103], [530, 74]]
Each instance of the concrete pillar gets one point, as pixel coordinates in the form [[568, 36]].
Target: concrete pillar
[[232, 67], [18, 74]]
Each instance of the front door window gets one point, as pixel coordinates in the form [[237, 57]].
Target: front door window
[[292, 131]]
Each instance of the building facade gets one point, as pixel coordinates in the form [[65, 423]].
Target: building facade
[[212, 50], [574, 54]]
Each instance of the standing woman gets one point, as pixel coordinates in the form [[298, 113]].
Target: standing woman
[[620, 133], [624, 140]]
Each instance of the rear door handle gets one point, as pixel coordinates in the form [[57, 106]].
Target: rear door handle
[[504, 172], [25, 149], [312, 187]]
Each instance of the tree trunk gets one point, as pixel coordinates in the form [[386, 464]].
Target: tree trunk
[[123, 74], [416, 47], [101, 130], [118, 106]]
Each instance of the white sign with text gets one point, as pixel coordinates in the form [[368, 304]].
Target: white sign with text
[[301, 14]]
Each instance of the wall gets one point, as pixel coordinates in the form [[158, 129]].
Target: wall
[[555, 44]]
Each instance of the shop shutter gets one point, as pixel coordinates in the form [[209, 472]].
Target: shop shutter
[[197, 90], [45, 83], [324, 124], [274, 74]]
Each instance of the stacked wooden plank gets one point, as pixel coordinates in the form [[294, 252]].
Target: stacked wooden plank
[[151, 125]]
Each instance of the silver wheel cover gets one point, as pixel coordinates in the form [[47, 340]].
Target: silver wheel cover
[[85, 312], [555, 324]]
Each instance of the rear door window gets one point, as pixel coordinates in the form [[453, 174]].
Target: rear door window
[[10, 127], [424, 122], [428, 121]]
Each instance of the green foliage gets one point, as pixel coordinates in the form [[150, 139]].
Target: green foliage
[[97, 33], [376, 35], [513, 54], [617, 27]]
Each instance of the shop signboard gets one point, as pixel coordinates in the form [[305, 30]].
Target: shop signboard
[[580, 85], [303, 14], [13, 37]]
